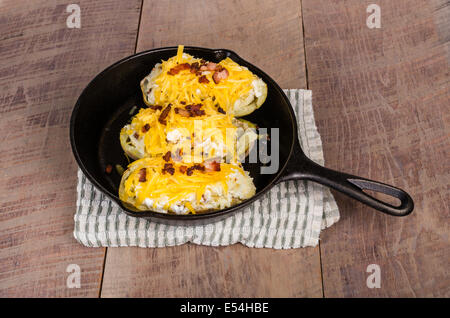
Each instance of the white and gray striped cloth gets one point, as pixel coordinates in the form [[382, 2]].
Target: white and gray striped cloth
[[290, 215]]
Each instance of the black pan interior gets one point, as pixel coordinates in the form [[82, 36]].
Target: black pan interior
[[104, 108]]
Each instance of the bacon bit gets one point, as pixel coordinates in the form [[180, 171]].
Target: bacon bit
[[218, 76], [212, 166], [168, 167], [155, 107], [143, 175], [184, 66], [194, 107], [183, 169], [171, 171], [202, 79], [183, 103], [136, 135], [211, 66], [219, 68], [190, 110], [194, 110], [195, 67], [197, 166], [108, 169], [203, 65], [183, 112], [177, 69], [164, 114], [145, 128], [200, 113], [167, 156], [220, 110]]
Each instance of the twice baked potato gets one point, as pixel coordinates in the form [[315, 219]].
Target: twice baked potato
[[188, 143], [212, 135], [234, 88], [173, 187]]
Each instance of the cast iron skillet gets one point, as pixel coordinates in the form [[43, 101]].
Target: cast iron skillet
[[104, 106]]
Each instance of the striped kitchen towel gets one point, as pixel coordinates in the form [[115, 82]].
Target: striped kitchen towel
[[290, 215]]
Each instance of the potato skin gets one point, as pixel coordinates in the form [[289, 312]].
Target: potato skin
[[254, 105], [144, 89], [129, 149], [130, 201], [147, 81]]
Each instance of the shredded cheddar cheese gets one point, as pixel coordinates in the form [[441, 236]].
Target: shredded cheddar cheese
[[203, 134], [180, 53], [199, 138], [161, 186], [185, 85]]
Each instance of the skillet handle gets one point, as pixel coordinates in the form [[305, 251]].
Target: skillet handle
[[350, 185]]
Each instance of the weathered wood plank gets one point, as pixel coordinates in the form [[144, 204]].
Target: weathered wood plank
[[202, 271], [270, 36], [381, 98], [263, 32], [43, 67]]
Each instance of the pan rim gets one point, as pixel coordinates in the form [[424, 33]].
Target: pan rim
[[170, 216]]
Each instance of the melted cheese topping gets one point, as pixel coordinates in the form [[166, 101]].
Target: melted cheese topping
[[212, 135], [168, 189], [215, 136], [186, 87]]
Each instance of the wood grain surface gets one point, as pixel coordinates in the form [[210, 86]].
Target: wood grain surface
[[201, 271], [261, 31], [381, 98], [43, 67], [252, 29]]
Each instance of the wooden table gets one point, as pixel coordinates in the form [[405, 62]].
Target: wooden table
[[381, 98]]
